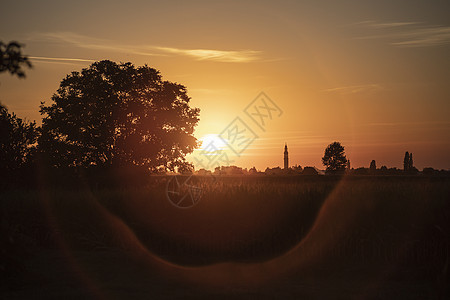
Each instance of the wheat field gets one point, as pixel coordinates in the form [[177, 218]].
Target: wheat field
[[378, 228]]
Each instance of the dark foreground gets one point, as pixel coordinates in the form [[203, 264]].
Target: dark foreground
[[282, 237]]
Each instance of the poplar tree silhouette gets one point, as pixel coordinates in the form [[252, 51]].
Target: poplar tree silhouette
[[408, 164]]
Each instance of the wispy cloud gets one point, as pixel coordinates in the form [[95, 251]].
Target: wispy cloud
[[87, 42], [81, 41], [64, 59], [427, 123], [211, 91], [353, 89], [407, 34], [373, 24], [217, 55]]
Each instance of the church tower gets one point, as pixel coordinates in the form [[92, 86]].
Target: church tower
[[286, 157]]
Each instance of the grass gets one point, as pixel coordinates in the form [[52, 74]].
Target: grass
[[400, 222]]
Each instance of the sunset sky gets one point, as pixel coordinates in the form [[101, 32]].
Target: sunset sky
[[373, 75]]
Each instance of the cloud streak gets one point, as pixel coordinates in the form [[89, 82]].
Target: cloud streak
[[60, 59], [86, 42], [216, 55], [407, 34], [353, 89], [429, 123]]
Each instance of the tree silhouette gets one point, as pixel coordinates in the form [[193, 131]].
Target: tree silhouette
[[17, 141], [117, 114], [334, 158], [406, 161], [373, 166], [12, 59], [408, 164]]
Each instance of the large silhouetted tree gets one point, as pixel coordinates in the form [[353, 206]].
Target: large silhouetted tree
[[334, 158], [12, 60], [17, 141], [117, 114]]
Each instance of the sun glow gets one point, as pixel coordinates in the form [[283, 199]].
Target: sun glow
[[212, 143]]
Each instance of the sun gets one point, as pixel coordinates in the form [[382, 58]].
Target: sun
[[212, 143]]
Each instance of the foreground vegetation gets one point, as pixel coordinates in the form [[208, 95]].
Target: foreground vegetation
[[400, 222]]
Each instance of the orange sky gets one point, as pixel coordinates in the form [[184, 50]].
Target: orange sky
[[373, 76]]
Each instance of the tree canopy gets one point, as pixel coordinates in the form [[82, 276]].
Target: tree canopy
[[334, 158], [17, 141], [118, 114]]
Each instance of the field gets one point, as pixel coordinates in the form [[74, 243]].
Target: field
[[310, 237]]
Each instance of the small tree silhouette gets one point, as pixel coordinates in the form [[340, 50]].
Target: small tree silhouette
[[334, 158], [408, 164], [373, 166]]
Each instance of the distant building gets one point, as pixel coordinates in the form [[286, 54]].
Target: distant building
[[286, 157], [274, 171]]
